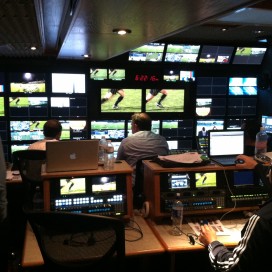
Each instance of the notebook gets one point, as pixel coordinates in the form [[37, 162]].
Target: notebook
[[71, 155], [225, 145]]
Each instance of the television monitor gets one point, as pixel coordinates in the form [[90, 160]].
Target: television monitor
[[187, 76], [267, 123], [208, 124], [178, 181], [3, 130], [72, 186], [120, 100], [116, 74], [242, 106], [216, 54], [234, 123], [177, 129], [15, 147], [26, 130], [171, 75], [2, 106], [243, 178], [68, 107], [104, 184], [2, 82], [27, 83], [216, 86], [28, 106], [249, 55], [205, 180], [172, 144], [148, 52], [165, 100], [243, 86], [210, 106], [68, 83], [111, 129], [155, 127], [181, 53], [98, 73], [74, 130]]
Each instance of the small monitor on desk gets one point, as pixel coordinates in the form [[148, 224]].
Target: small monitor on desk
[[179, 181], [205, 180]]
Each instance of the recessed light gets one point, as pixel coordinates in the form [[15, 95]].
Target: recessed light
[[121, 31]]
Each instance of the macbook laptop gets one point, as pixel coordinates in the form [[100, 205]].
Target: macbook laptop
[[71, 155], [225, 145]]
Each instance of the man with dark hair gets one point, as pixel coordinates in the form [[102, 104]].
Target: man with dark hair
[[142, 143], [52, 131], [111, 93], [155, 92]]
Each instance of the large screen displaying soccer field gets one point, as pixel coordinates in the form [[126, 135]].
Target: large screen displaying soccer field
[[249, 55], [120, 100]]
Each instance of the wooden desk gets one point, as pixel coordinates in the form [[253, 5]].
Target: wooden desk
[[119, 168], [149, 244]]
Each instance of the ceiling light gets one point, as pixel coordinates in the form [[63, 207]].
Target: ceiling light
[[120, 31], [33, 48]]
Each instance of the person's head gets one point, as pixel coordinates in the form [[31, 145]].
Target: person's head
[[52, 129], [140, 121]]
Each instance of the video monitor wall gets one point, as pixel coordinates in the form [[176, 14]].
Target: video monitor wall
[[249, 55]]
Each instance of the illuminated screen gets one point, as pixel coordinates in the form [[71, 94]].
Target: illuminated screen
[[72, 186], [98, 73], [234, 123], [210, 106], [19, 147], [68, 106], [26, 130], [216, 54], [171, 75], [121, 100], [243, 86], [74, 130], [243, 178], [179, 181], [103, 184], [187, 76], [202, 126], [28, 106], [181, 53], [149, 52], [2, 106], [249, 55], [267, 123], [205, 179], [27, 83], [117, 74], [155, 127], [164, 100], [68, 83], [177, 128], [2, 82], [111, 129], [172, 144]]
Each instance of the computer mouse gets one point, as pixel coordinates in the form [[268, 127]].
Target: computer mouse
[[239, 161]]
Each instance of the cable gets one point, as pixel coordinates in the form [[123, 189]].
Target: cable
[[138, 230]]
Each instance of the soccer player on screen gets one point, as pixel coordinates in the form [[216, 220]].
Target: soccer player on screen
[[111, 93], [153, 93]]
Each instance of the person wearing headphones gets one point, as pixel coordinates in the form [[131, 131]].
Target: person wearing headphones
[[253, 250]]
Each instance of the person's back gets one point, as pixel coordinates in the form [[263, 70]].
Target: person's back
[[142, 143], [52, 131]]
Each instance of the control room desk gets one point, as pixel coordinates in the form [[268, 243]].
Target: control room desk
[[119, 168], [148, 244]]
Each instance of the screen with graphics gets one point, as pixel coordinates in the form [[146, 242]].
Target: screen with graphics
[[103, 184], [205, 179], [68, 83], [72, 186], [249, 55]]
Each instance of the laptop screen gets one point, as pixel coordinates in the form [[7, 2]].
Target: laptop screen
[[226, 142]]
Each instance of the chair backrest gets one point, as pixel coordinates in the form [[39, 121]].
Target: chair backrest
[[29, 163], [79, 242]]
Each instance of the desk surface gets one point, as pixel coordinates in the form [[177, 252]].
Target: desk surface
[[149, 244], [181, 243]]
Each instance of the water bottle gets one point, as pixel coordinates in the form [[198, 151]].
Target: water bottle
[[177, 216], [38, 199], [261, 141], [109, 156], [102, 146]]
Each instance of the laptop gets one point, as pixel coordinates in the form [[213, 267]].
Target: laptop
[[225, 145], [71, 155]]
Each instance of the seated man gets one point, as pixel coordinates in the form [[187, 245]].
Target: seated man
[[52, 131]]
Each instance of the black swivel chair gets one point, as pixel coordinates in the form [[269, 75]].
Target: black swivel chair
[[79, 242], [29, 163]]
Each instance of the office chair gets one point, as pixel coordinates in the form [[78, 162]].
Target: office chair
[[29, 164], [79, 242]]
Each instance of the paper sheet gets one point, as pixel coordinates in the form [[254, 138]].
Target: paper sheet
[[187, 157]]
